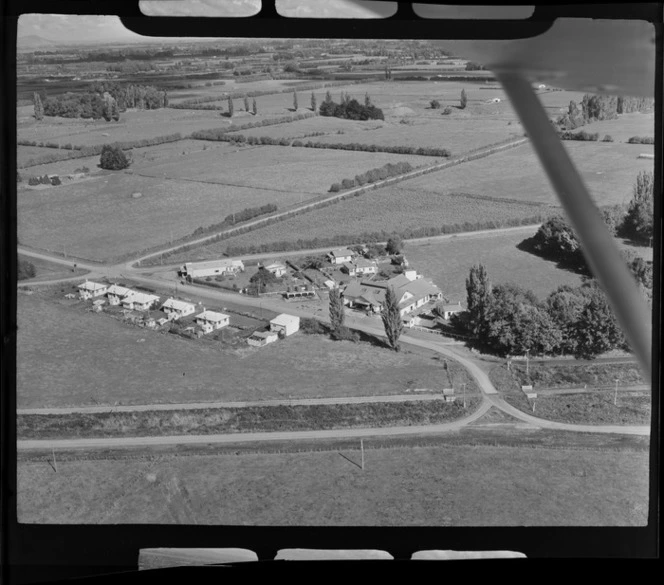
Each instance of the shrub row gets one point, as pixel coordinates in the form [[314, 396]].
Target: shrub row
[[241, 216], [218, 134], [382, 236], [373, 176], [85, 151], [422, 151], [641, 140], [582, 135], [44, 180]]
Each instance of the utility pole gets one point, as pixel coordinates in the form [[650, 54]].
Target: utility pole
[[362, 449], [527, 363], [464, 395], [55, 465], [615, 394]]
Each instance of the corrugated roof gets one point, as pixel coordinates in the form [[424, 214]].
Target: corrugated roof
[[212, 316], [179, 305], [285, 319]]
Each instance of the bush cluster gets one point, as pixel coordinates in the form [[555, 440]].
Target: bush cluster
[[351, 110], [641, 140], [25, 269], [582, 135], [374, 175]]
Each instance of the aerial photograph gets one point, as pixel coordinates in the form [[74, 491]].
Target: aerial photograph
[[318, 282]]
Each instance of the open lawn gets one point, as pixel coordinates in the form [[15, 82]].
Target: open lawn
[[99, 219], [302, 128], [301, 170], [608, 169], [626, 126], [67, 356], [391, 209], [448, 261], [24, 154], [51, 270], [439, 485]]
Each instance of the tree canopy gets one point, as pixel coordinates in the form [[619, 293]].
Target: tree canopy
[[113, 158]]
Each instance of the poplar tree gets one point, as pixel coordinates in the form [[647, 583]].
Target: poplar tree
[[295, 101], [246, 103], [392, 319], [230, 107], [337, 315], [313, 102], [39, 107], [254, 108], [464, 99], [478, 300]]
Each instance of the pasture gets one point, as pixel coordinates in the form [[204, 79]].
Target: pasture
[[67, 356], [133, 125], [302, 171], [608, 169], [391, 209], [437, 483], [626, 126], [447, 261], [24, 154], [98, 219], [232, 86]]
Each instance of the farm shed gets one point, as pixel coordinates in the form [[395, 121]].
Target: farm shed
[[89, 289], [211, 321], [277, 268], [139, 301], [261, 338], [450, 309], [116, 293], [176, 309], [211, 268], [340, 256], [288, 324]]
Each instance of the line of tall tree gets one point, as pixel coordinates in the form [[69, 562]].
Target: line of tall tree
[[219, 134], [510, 320], [601, 107], [232, 218]]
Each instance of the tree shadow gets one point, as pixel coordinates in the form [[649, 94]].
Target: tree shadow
[[371, 339], [527, 245]]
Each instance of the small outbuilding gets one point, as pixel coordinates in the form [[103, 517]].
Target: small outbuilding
[[261, 338], [277, 268], [286, 324]]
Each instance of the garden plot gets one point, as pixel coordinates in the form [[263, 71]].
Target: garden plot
[[608, 169], [101, 219], [293, 170]]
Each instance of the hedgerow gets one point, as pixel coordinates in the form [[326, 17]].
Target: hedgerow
[[641, 140], [582, 135], [374, 175], [220, 134]]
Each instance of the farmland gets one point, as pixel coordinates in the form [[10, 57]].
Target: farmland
[[114, 362], [385, 210], [443, 483], [276, 168], [99, 219], [608, 169]]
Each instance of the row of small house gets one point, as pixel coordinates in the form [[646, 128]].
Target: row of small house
[[175, 309]]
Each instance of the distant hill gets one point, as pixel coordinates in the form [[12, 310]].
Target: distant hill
[[34, 42]]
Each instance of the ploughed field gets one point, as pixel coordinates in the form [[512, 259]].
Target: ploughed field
[[67, 356], [433, 484]]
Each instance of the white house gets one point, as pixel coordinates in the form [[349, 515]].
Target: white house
[[210, 321], [261, 338], [340, 256], [450, 309], [176, 309], [211, 268], [116, 293], [89, 289], [137, 301], [364, 266], [288, 324], [277, 269]]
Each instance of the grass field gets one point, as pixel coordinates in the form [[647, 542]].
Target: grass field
[[300, 170], [67, 356], [133, 125], [242, 420], [441, 485], [51, 270], [99, 219], [448, 261], [27, 153], [390, 209], [626, 126], [608, 169]]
